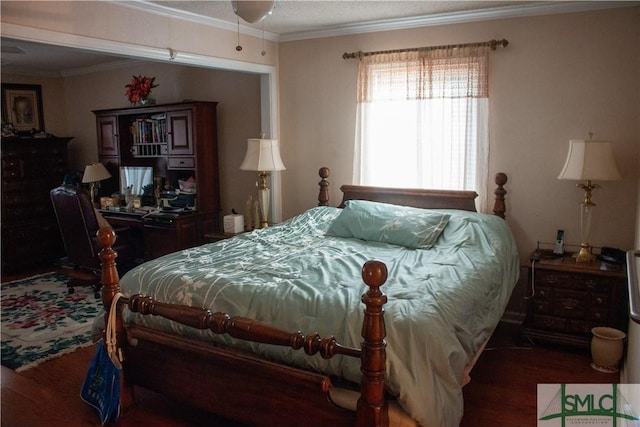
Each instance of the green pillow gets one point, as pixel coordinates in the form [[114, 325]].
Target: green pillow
[[381, 222]]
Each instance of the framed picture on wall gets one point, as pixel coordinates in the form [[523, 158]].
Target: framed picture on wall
[[22, 106]]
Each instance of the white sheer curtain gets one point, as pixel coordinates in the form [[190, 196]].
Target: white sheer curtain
[[422, 120]]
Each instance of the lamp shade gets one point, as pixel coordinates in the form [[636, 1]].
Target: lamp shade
[[95, 172], [262, 155], [590, 161]]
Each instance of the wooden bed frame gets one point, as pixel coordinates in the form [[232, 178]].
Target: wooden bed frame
[[243, 387]]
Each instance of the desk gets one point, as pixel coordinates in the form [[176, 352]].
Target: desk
[[158, 233]]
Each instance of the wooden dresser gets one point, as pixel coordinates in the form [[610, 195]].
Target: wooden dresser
[[569, 299], [180, 141], [31, 167]]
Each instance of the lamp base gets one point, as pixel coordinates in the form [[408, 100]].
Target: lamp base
[[264, 199], [585, 256], [92, 192]]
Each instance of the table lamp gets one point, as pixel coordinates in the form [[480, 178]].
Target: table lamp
[[263, 155], [93, 174], [588, 161]]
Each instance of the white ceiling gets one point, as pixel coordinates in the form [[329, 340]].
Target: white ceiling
[[291, 20], [299, 16]]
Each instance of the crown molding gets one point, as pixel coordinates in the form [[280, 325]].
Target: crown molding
[[517, 11], [159, 9]]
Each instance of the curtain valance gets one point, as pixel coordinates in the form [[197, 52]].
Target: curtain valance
[[445, 72]]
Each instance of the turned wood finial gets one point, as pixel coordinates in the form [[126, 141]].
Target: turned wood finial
[[109, 277], [323, 195], [109, 280], [372, 407], [499, 207]]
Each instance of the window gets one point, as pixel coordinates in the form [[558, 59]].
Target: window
[[423, 120]]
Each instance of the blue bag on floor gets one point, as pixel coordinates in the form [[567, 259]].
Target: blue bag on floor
[[101, 386]]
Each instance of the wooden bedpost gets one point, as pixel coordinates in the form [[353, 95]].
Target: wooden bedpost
[[109, 276], [499, 207], [372, 408], [323, 195], [109, 280]]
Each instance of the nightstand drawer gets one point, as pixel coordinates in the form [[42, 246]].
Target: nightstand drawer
[[553, 278], [594, 284], [599, 301], [580, 327], [598, 315], [549, 323], [543, 307], [543, 293], [543, 300], [568, 303]]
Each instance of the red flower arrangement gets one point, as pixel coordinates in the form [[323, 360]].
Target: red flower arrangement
[[139, 88]]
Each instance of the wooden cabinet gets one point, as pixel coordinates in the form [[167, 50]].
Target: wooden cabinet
[[178, 140], [108, 135], [569, 299], [31, 167], [164, 234], [179, 133], [158, 234]]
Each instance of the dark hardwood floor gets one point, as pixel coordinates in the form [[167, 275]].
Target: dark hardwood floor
[[502, 391]]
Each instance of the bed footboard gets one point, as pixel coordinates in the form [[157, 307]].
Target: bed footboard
[[247, 373]]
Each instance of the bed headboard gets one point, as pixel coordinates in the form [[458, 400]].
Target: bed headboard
[[419, 198]]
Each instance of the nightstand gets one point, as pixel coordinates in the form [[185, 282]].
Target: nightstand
[[568, 299]]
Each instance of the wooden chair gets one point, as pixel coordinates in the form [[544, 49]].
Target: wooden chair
[[79, 224]]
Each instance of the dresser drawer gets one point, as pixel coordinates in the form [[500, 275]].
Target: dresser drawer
[[597, 301], [594, 283], [543, 300], [580, 327], [569, 303], [549, 323], [182, 163], [553, 278]]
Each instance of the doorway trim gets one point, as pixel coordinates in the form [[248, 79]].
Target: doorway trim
[[268, 76]]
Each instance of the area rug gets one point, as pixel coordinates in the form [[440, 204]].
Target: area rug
[[41, 320]]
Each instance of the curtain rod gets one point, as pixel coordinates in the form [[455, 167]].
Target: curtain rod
[[493, 44]]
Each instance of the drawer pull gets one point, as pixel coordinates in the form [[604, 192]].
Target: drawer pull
[[569, 303], [551, 279], [542, 293], [598, 316], [591, 284], [598, 300]]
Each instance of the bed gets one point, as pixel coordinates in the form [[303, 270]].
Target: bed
[[430, 305]]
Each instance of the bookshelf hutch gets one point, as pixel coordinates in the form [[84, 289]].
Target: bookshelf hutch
[[179, 141]]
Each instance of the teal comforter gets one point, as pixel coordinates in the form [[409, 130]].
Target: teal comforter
[[444, 302]]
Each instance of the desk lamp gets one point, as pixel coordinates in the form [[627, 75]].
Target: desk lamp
[[588, 161], [93, 174], [263, 155]]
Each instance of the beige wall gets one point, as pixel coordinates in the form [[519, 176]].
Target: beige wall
[[69, 102], [560, 77], [106, 20]]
